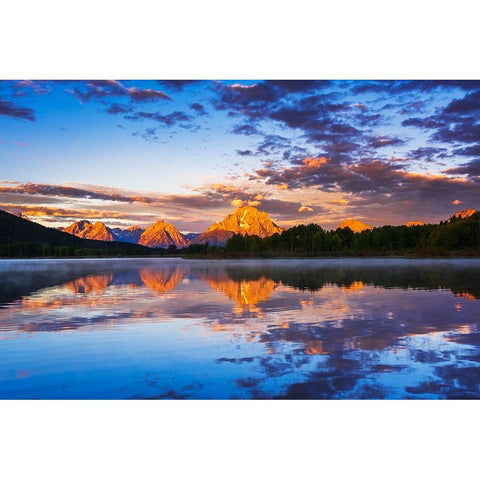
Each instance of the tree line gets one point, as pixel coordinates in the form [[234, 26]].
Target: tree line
[[34, 250]]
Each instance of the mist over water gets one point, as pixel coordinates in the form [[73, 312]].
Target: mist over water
[[172, 328]]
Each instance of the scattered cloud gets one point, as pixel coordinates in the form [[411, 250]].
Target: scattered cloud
[[10, 109], [26, 87], [245, 130], [237, 203], [177, 85], [198, 108], [305, 208], [175, 118], [339, 201], [101, 89]]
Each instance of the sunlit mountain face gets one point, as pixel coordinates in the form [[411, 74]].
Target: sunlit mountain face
[[170, 328], [131, 153]]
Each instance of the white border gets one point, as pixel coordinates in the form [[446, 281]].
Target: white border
[[242, 40]]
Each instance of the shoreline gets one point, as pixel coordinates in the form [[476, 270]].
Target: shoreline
[[255, 256]]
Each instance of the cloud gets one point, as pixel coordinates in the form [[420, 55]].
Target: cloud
[[469, 104], [100, 193], [374, 182], [413, 107], [456, 202], [245, 153], [177, 85], [150, 135], [428, 154], [470, 151], [117, 108], [314, 162], [471, 169], [398, 87], [198, 108], [385, 141], [305, 208], [339, 201], [168, 120], [245, 130], [100, 89], [71, 214], [25, 87], [237, 202], [299, 86], [9, 109], [455, 123]]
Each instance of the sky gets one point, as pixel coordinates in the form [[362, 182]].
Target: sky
[[132, 152]]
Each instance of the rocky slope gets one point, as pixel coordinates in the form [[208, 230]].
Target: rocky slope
[[161, 235], [245, 220]]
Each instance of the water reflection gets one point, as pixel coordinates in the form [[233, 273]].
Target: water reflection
[[240, 329]]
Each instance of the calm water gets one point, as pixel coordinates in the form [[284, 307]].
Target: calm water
[[169, 328]]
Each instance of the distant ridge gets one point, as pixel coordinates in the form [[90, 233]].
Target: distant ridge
[[129, 235], [354, 225], [415, 223]]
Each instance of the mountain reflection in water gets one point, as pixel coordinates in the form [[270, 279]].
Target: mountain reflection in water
[[170, 328]]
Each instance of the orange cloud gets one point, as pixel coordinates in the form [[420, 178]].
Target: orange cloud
[[340, 201], [237, 202], [456, 202], [304, 208], [310, 162]]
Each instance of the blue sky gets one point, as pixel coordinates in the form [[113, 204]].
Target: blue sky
[[132, 152]]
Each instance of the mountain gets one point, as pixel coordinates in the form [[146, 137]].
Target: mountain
[[129, 235], [355, 225], [191, 236], [468, 212], [162, 235], [245, 220], [90, 231], [414, 224]]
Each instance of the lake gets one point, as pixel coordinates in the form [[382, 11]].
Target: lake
[[240, 329]]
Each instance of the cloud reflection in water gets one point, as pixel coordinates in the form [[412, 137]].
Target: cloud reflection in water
[[245, 329]]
